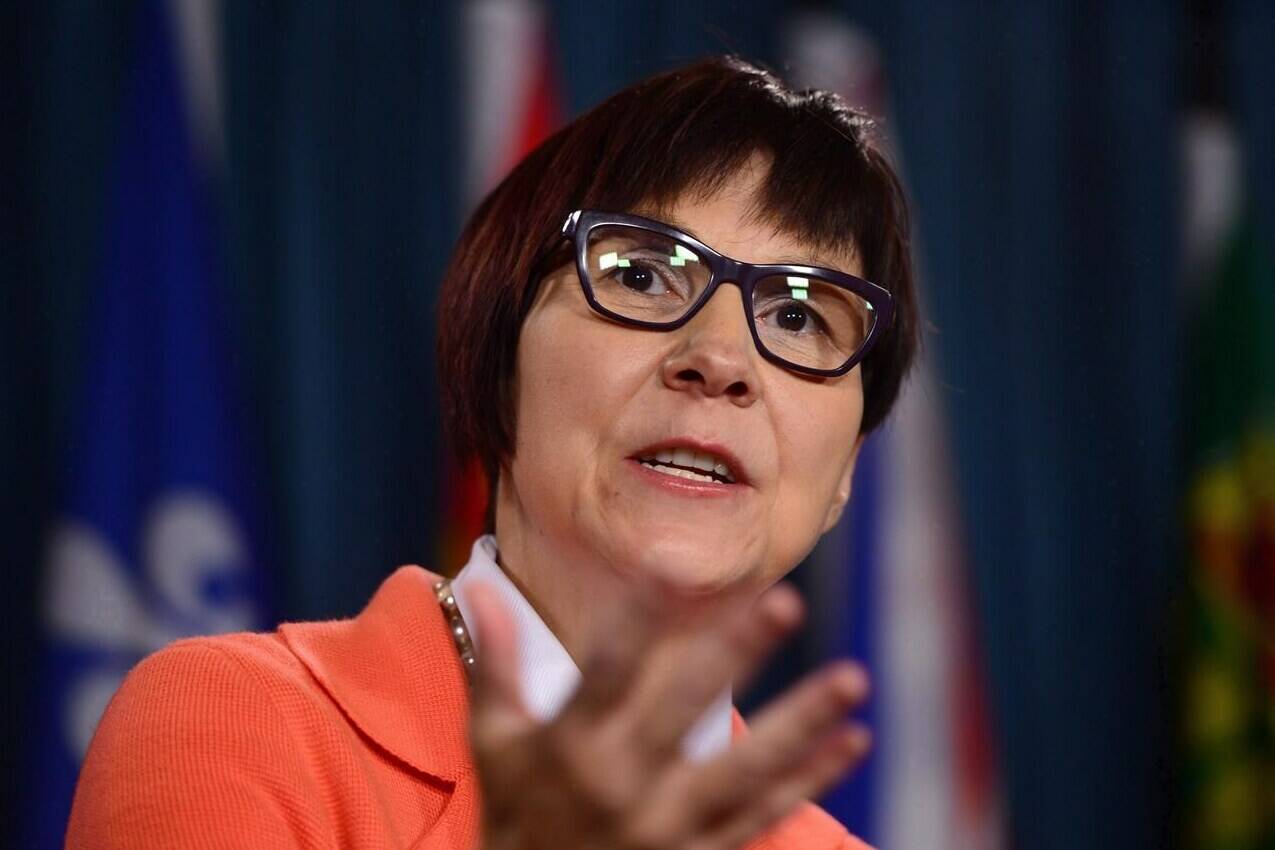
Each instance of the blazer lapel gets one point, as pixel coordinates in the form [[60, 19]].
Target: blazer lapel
[[394, 671]]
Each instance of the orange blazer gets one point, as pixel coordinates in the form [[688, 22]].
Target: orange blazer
[[338, 734]]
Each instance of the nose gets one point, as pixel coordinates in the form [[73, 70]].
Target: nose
[[715, 355]]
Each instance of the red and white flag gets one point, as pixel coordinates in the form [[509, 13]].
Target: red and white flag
[[932, 781], [511, 105]]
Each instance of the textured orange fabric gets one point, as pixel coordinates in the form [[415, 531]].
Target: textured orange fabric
[[338, 734]]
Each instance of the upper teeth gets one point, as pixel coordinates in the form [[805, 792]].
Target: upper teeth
[[691, 459]]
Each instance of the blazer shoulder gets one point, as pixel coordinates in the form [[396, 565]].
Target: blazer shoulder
[[264, 657], [196, 741], [839, 837], [812, 828], [244, 673], [240, 673]]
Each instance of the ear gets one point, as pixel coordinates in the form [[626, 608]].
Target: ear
[[842, 494]]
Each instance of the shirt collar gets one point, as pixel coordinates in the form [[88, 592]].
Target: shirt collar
[[548, 674]]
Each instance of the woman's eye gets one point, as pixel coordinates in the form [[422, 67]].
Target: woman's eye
[[642, 278], [792, 317], [795, 317]]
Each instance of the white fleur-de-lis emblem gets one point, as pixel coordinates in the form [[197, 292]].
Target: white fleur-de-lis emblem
[[190, 542]]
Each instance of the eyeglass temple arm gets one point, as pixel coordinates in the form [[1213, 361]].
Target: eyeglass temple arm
[[568, 228]]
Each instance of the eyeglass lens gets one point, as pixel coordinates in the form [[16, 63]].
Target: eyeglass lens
[[647, 276]]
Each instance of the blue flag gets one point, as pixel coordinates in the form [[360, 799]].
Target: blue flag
[[856, 553], [159, 533]]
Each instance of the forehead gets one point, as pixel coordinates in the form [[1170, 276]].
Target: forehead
[[732, 220]]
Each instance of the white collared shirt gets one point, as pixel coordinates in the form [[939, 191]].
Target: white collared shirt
[[547, 673]]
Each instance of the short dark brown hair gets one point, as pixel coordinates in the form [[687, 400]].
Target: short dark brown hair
[[686, 130]]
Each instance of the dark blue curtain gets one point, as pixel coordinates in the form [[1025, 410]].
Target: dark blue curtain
[[1249, 71], [1040, 144], [342, 151]]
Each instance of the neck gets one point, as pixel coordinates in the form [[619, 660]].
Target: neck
[[553, 579], [576, 593]]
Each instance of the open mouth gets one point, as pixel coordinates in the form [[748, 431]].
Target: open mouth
[[689, 464]]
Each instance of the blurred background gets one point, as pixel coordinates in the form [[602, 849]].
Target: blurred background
[[224, 227]]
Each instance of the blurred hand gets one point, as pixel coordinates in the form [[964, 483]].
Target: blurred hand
[[609, 774]]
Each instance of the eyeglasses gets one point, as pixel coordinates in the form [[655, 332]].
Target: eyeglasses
[[644, 273]]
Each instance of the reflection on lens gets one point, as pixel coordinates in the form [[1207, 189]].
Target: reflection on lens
[[809, 321], [643, 275]]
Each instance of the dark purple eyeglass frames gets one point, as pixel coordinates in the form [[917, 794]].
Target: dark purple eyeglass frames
[[722, 269]]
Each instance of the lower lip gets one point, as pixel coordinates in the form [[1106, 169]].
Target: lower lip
[[684, 486]]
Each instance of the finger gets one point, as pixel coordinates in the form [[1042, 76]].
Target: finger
[[498, 707], [727, 651], [839, 752], [782, 730], [627, 628], [781, 738]]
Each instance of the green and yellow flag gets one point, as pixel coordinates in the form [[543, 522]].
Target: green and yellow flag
[[1229, 665]]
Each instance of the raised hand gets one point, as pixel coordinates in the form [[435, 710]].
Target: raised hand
[[608, 772]]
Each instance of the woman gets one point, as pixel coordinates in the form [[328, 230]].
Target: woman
[[659, 336]]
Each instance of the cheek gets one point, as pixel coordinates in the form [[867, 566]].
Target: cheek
[[574, 375], [547, 423], [543, 372], [814, 450], [571, 372]]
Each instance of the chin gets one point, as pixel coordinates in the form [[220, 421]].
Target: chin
[[688, 566]]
